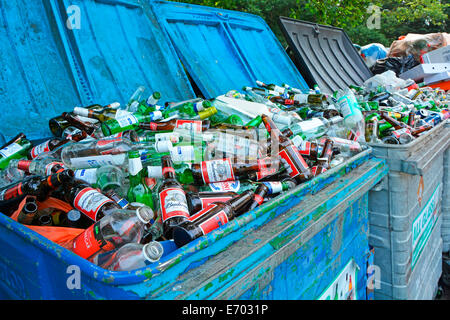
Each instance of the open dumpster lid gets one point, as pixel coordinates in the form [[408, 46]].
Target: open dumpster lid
[[324, 55], [48, 67], [224, 50]]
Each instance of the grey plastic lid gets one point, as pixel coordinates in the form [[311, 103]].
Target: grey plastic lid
[[324, 55], [145, 214]]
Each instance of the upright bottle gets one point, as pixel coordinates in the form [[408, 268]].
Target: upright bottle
[[288, 152], [138, 190], [211, 218], [172, 199], [120, 227]]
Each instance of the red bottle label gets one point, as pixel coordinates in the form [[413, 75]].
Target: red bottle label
[[217, 171], [89, 201], [289, 163], [288, 102], [11, 193], [258, 199], [168, 169], [40, 149], [216, 221], [265, 168], [197, 215], [90, 242], [173, 203], [193, 125], [24, 165], [305, 148], [48, 168]]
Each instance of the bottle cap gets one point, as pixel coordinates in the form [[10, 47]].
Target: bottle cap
[[81, 111], [145, 214], [207, 112], [74, 215], [153, 251], [114, 105]]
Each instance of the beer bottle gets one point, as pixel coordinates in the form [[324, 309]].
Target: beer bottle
[[37, 186], [138, 191], [102, 115], [258, 197], [172, 199], [271, 86], [89, 201], [42, 167], [16, 149], [193, 125], [210, 218], [91, 129], [52, 144], [313, 99], [288, 152], [312, 128], [118, 228], [199, 200], [323, 163], [28, 212]]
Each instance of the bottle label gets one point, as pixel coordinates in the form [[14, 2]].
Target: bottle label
[[166, 136], [353, 145], [120, 113], [290, 163], [89, 201], [345, 105], [265, 169], [182, 153], [86, 175], [98, 161], [134, 166], [127, 121], [305, 148], [207, 201], [193, 125], [301, 98], [163, 146], [40, 149], [11, 193], [48, 168], [258, 199], [10, 150], [173, 203], [274, 187], [202, 212], [90, 242], [216, 221], [217, 171], [310, 125], [399, 132], [225, 186]]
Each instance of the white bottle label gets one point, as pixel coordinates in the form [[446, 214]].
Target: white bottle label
[[97, 161], [217, 171], [87, 175], [301, 98], [173, 203], [163, 146], [40, 149], [89, 201], [166, 136], [182, 153], [134, 166], [120, 113], [195, 126], [310, 125], [127, 121], [154, 172], [274, 187], [10, 150], [225, 186]]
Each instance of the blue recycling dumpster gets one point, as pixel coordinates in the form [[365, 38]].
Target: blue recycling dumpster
[[308, 243]]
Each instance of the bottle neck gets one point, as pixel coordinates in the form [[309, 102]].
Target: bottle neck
[[238, 203]]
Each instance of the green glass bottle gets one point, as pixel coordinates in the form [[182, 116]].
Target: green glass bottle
[[146, 107], [16, 149], [138, 190], [128, 122], [254, 123]]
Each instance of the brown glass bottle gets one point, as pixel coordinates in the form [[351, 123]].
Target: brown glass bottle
[[54, 143], [226, 170], [323, 163], [172, 198], [37, 186], [396, 124], [195, 125], [288, 152], [421, 129], [258, 197], [89, 201], [89, 128], [211, 218], [199, 200]]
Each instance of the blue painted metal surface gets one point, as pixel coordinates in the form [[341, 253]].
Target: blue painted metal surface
[[48, 68], [224, 50], [294, 247]]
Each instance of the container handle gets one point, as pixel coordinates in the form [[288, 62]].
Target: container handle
[[417, 164]]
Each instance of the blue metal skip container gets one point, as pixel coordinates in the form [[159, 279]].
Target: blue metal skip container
[[309, 243]]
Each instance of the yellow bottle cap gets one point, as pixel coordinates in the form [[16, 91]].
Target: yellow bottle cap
[[208, 112]]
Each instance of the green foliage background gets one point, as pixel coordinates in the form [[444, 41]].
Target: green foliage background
[[398, 17]]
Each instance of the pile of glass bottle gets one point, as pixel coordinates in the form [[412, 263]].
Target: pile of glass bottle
[[148, 178]]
